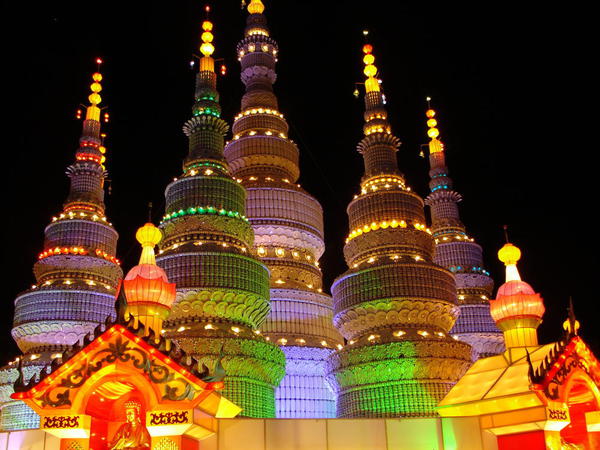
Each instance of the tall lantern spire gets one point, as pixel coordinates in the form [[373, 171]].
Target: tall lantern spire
[[77, 271], [377, 128], [394, 305], [517, 309], [222, 290], [288, 226], [459, 253]]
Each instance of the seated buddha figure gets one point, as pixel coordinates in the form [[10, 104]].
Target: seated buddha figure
[[132, 434]]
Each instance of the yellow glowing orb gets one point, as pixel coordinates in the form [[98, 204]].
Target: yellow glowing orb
[[509, 254], [433, 133], [207, 49], [148, 235], [256, 7], [370, 70], [94, 98]]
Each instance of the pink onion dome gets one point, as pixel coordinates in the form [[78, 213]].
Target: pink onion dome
[[515, 299], [146, 282]]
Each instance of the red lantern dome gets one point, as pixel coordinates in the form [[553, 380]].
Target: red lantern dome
[[516, 299]]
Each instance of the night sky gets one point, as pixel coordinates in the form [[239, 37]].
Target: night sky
[[511, 86]]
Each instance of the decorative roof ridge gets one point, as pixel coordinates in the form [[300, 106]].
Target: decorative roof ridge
[[164, 345]]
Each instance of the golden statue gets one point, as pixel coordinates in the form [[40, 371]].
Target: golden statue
[[132, 434]]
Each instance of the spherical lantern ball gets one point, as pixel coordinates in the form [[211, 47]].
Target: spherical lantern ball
[[207, 36], [97, 77], [433, 133], [95, 98], [207, 49], [430, 113], [368, 48], [369, 59], [370, 70], [96, 87], [148, 235], [256, 7], [207, 25], [509, 254], [432, 123]]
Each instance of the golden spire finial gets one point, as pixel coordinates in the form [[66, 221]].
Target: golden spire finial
[[370, 70], [256, 7], [207, 48], [207, 63], [93, 112], [435, 145]]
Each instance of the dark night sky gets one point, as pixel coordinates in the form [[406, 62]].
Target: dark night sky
[[511, 86]]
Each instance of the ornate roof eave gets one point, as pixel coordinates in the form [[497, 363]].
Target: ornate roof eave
[[124, 323], [565, 356]]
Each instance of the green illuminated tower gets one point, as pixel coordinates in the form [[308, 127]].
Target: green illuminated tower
[[222, 290], [394, 305]]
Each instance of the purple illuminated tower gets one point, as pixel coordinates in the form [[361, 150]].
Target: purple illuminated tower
[[222, 289], [459, 253], [394, 304], [76, 274], [288, 229]]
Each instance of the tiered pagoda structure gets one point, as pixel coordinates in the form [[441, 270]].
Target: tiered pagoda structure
[[76, 274], [460, 254], [222, 289], [288, 229], [394, 305]]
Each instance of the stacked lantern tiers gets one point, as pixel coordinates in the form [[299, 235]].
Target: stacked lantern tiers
[[222, 290], [394, 305], [76, 274], [288, 229], [458, 252]]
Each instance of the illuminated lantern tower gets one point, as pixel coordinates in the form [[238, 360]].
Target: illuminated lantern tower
[[456, 251], [147, 289], [76, 274], [288, 229], [517, 309], [394, 304], [222, 290]]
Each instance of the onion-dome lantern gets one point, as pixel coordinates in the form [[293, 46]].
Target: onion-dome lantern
[[147, 288], [517, 309]]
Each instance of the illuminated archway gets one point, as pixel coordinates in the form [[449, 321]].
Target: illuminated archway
[[581, 396]]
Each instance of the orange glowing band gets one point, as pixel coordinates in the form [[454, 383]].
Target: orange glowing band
[[103, 254], [63, 251], [394, 223], [88, 157]]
